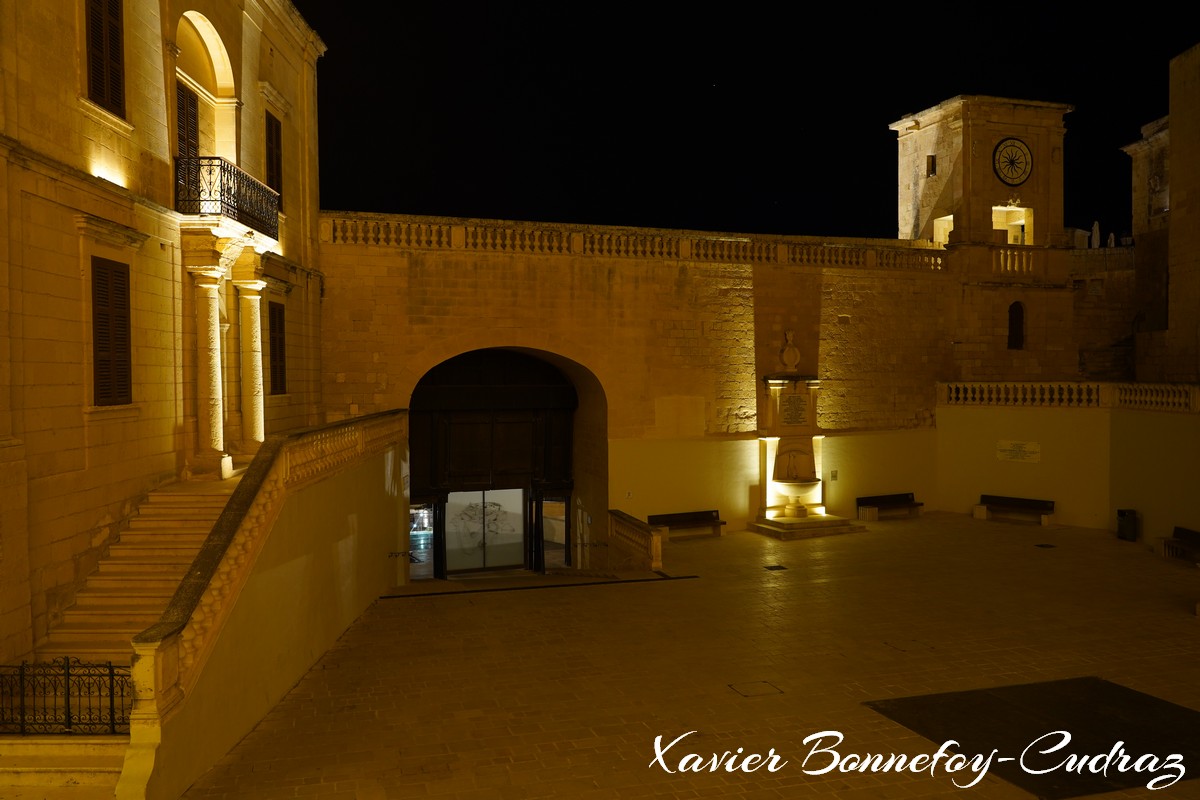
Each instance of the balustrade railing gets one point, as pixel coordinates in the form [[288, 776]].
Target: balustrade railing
[[519, 238], [212, 185], [1158, 396], [1066, 394], [65, 696], [1013, 260]]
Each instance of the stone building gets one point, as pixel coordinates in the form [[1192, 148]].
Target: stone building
[[180, 319]]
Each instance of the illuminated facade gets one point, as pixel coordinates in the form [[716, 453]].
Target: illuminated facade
[[171, 297], [159, 228]]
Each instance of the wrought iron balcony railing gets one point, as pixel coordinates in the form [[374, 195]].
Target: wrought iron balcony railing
[[212, 185]]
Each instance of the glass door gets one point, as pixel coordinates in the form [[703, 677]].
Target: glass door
[[485, 530]]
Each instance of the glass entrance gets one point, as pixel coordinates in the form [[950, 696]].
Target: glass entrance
[[485, 530]]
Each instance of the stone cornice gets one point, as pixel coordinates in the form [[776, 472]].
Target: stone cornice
[[109, 232], [275, 97]]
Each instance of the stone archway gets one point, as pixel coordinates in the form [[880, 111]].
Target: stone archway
[[493, 421]]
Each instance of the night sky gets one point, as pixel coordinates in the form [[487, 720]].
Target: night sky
[[672, 116]]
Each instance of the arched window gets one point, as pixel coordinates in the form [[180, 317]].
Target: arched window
[[1016, 326]]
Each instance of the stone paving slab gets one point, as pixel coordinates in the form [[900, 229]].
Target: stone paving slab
[[562, 692]]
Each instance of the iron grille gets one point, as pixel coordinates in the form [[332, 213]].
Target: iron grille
[[65, 696], [212, 185]]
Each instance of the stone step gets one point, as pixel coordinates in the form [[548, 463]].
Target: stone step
[[112, 747], [118, 648], [169, 498], [94, 630], [202, 524], [122, 596], [150, 536], [146, 539], [166, 565], [93, 776], [790, 528], [165, 550], [118, 615], [132, 582], [185, 499]]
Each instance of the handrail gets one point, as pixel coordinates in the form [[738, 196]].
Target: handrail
[[637, 544]]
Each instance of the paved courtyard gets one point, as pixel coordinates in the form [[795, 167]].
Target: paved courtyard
[[760, 649]]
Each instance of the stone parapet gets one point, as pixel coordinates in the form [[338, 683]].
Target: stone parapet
[[518, 238], [1183, 398]]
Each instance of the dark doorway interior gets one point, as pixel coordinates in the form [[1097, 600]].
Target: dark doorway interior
[[491, 444]]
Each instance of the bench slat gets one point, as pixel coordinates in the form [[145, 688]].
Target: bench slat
[[884, 500], [686, 518], [1186, 536], [989, 503], [870, 506], [1017, 503]]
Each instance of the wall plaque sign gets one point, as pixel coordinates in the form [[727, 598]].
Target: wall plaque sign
[[793, 409], [1008, 450]]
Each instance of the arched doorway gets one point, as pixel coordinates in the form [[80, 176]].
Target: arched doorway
[[490, 435]]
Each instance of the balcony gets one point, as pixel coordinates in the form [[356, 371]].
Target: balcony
[[212, 185]]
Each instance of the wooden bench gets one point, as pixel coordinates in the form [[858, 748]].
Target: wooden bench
[[688, 520], [870, 507], [1182, 543], [989, 504]]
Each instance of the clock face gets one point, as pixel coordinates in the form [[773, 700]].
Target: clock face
[[1012, 161]]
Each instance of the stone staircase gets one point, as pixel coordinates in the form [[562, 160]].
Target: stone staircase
[[135, 582], [127, 594]]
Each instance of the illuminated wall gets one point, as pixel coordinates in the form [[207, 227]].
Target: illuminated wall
[[85, 182]]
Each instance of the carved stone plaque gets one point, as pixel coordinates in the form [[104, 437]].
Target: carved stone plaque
[[793, 409]]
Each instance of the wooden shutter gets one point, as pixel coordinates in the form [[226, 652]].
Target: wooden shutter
[[187, 122], [105, 55], [111, 351], [278, 352], [275, 156]]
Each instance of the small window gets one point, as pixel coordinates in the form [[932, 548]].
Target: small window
[[930, 166], [275, 343], [105, 55], [112, 368], [275, 156], [1016, 327]]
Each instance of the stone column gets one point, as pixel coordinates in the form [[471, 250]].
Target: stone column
[[210, 401], [250, 324]]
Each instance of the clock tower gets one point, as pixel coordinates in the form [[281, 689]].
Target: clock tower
[[982, 170]]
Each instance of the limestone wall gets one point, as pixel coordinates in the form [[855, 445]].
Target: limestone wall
[[82, 182], [886, 337], [85, 465]]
